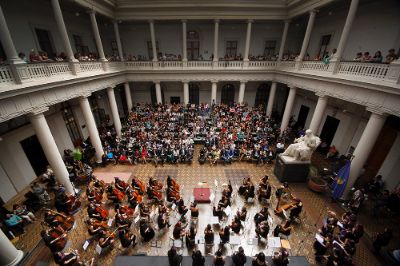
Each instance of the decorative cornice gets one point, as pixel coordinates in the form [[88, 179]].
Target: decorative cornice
[[38, 110]]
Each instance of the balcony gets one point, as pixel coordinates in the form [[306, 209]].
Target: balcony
[[26, 75]]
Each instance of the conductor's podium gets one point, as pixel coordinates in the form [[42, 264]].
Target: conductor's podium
[[201, 195], [289, 170]]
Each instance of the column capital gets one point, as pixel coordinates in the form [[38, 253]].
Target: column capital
[[313, 11], [321, 94], [157, 82], [151, 21], [217, 20], [85, 95], [243, 81], [250, 20], [184, 20], [287, 21], [291, 86], [38, 111], [91, 12], [214, 81], [376, 111], [185, 81]]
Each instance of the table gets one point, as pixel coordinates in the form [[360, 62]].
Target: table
[[274, 242], [202, 195]]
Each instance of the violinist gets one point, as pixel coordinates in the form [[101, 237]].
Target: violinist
[[217, 211], [138, 185], [245, 185], [153, 191], [99, 185], [107, 239], [242, 214], [224, 202], [194, 211], [96, 211], [182, 209], [173, 184], [162, 220], [122, 209], [67, 259], [191, 236], [296, 210], [120, 184], [261, 216], [262, 229], [94, 195], [249, 193], [172, 195], [123, 220], [264, 189], [178, 231], [95, 227], [236, 224], [146, 231], [224, 234], [134, 197], [55, 239], [127, 238], [154, 184], [209, 234], [228, 190], [162, 208]]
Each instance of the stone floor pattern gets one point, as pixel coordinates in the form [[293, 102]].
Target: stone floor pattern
[[189, 177]]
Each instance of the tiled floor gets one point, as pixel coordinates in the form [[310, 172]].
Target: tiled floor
[[189, 176]]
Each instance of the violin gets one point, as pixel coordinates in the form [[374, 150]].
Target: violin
[[96, 223], [103, 212]]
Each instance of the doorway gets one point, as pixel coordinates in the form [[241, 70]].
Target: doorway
[[262, 95], [329, 130], [45, 42], [193, 45], [228, 94], [175, 100], [34, 152], [302, 117], [194, 93]]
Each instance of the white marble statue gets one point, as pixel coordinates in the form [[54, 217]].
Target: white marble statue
[[303, 147]]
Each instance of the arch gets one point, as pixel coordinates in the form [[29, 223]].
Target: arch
[[262, 95], [193, 45], [228, 94]]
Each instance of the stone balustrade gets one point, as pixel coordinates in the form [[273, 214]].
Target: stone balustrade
[[367, 72]]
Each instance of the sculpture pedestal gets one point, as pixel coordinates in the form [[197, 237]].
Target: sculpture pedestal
[[289, 170]]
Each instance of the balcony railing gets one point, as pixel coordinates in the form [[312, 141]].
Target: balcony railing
[[17, 74]]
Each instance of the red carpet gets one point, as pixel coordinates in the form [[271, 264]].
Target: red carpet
[[109, 177], [202, 195]]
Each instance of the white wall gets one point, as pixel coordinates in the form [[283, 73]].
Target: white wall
[[391, 166], [7, 190], [376, 27], [23, 16]]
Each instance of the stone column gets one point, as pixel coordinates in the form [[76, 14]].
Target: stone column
[[128, 96], [96, 34], [283, 41], [216, 35], [271, 99], [50, 149], [185, 92], [9, 255], [242, 89], [364, 147], [184, 41], [114, 110], [118, 40], [7, 42], [288, 108], [247, 44], [158, 92], [92, 128], [213, 92], [153, 41], [318, 113], [63, 30], [335, 60], [307, 36]]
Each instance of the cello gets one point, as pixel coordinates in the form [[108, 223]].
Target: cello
[[102, 211], [66, 222]]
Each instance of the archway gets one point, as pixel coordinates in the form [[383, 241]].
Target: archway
[[194, 93], [228, 94]]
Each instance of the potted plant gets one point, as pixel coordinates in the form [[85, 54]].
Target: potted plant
[[315, 182]]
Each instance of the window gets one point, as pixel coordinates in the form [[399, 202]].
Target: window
[[228, 94], [79, 46], [150, 49], [70, 123], [45, 42], [262, 95], [325, 40], [231, 48], [193, 45], [269, 49]]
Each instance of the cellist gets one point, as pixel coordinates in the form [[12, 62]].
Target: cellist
[[138, 185], [120, 184], [107, 239], [95, 227], [54, 239], [56, 219]]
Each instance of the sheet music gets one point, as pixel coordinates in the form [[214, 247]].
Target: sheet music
[[274, 242], [85, 245], [98, 249], [319, 238], [228, 210]]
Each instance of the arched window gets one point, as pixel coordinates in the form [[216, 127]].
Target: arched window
[[194, 93], [228, 94], [262, 95], [193, 45]]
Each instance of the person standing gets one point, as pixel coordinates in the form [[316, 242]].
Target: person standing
[[239, 258]]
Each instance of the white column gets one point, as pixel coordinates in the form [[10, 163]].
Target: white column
[[247, 44], [96, 34], [186, 92], [283, 41], [153, 40], [118, 39], [114, 110], [128, 96], [288, 108], [63, 30], [216, 34], [318, 113], [307, 36], [242, 89], [158, 92], [184, 41], [50, 149], [213, 92], [271, 99], [364, 147], [7, 42], [9, 255], [91, 125]]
